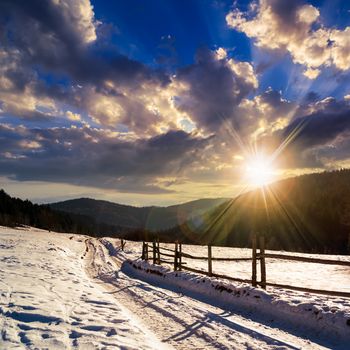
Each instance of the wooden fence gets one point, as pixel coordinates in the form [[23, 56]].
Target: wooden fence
[[174, 257]]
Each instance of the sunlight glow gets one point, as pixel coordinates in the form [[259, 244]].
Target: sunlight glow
[[259, 171]]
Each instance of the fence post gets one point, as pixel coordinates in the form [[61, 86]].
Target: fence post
[[262, 262], [154, 252], [180, 257], [210, 267], [176, 257], [158, 252], [146, 251], [254, 284], [122, 244], [143, 251]]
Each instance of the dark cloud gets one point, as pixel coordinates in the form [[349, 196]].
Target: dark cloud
[[50, 50], [215, 89], [59, 38], [330, 119], [53, 61], [91, 157], [286, 12]]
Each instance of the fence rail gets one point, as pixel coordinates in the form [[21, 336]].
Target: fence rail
[[258, 254], [306, 259], [186, 255]]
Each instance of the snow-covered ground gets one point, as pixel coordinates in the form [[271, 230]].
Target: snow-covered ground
[[63, 291], [48, 301], [311, 275]]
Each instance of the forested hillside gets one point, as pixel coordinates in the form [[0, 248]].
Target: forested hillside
[[151, 218], [16, 212], [309, 213]]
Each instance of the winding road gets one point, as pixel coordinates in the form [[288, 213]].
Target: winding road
[[184, 322]]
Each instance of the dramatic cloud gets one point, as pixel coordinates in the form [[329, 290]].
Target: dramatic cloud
[[61, 36], [295, 27], [215, 85], [69, 21], [316, 138], [75, 110], [328, 119], [98, 158], [265, 113]]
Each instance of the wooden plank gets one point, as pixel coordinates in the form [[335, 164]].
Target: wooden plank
[[158, 252], [310, 290], [175, 256], [254, 284], [262, 261], [168, 249], [195, 270], [210, 265], [185, 255], [180, 258], [236, 279], [168, 255], [301, 289], [189, 256], [202, 272], [166, 261], [231, 259], [154, 252], [143, 251], [306, 259]]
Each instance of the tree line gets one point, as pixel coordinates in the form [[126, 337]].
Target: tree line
[[16, 212], [308, 213]]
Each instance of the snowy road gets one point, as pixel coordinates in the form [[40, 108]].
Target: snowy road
[[188, 323], [59, 291]]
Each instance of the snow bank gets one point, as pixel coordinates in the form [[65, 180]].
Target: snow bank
[[298, 308]]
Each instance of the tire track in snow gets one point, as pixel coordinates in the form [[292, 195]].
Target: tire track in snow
[[185, 322]]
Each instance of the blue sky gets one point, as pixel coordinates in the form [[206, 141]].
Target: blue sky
[[176, 29], [159, 101]]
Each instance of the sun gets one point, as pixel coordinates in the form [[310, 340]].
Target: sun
[[259, 171]]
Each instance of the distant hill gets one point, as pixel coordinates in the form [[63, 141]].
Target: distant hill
[[16, 212], [309, 213], [151, 218]]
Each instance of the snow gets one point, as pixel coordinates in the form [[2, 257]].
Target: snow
[[310, 275], [47, 300], [63, 291], [319, 314], [327, 316]]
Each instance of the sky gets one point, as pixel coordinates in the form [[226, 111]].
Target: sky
[[166, 101]]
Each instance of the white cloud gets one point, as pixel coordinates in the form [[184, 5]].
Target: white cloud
[[81, 14], [341, 48], [73, 116], [295, 29]]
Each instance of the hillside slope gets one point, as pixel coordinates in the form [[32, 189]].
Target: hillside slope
[[309, 213], [152, 218], [16, 212]]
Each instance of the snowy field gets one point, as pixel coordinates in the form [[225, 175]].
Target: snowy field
[[47, 300], [60, 291], [310, 275]]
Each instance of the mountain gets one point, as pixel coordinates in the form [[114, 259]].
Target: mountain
[[309, 213], [16, 212], [150, 218]]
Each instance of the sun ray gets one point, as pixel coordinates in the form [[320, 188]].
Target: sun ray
[[290, 138]]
